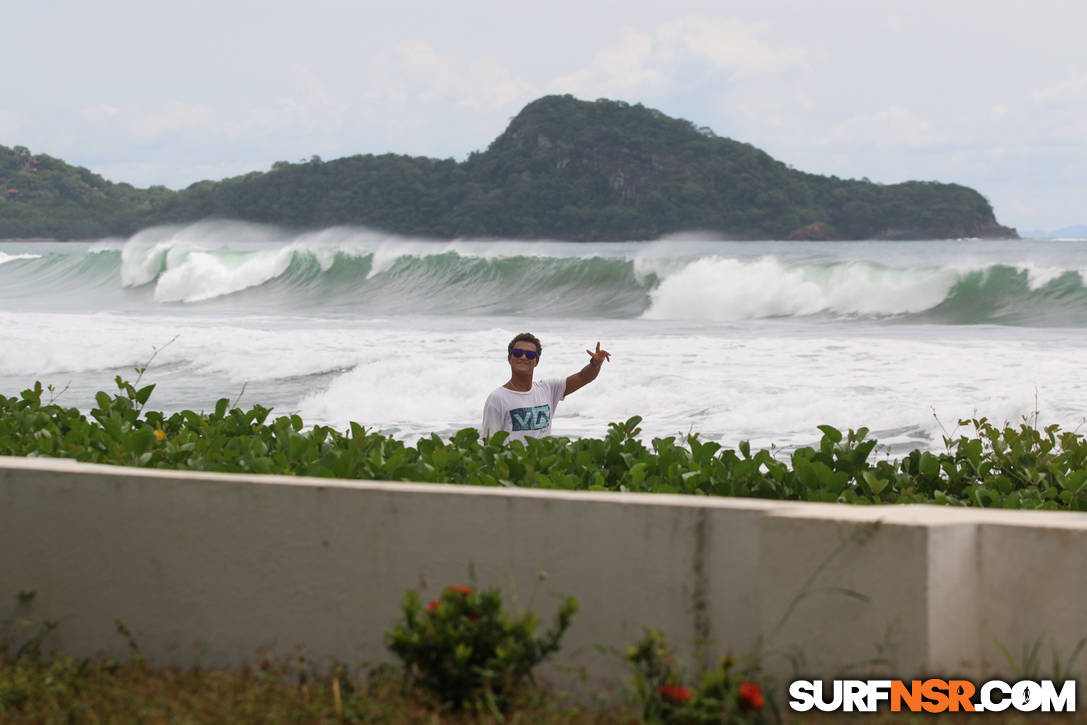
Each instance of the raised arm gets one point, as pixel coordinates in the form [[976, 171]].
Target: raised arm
[[588, 373]]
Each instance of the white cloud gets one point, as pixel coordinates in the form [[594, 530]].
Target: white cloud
[[308, 109], [146, 124], [626, 69], [1064, 90], [887, 127], [1058, 111], [778, 111], [100, 113], [730, 46], [150, 124], [1021, 209], [414, 71], [10, 123], [312, 108], [680, 55]]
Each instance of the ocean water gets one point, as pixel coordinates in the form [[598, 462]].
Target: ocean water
[[759, 341]]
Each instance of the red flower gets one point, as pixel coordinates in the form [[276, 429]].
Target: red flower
[[675, 694], [461, 590], [433, 606], [751, 696]]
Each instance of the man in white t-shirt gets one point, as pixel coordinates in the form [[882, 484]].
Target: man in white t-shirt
[[524, 408]]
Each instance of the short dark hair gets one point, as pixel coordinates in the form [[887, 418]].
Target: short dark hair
[[525, 337]]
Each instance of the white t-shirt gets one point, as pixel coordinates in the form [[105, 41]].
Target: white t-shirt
[[523, 414]]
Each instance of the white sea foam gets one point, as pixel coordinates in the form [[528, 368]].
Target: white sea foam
[[142, 263], [754, 366], [109, 244], [713, 288], [385, 256], [194, 276], [771, 386], [770, 383], [1039, 276], [12, 257]]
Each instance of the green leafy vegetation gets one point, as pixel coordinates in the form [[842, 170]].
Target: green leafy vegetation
[[465, 653], [996, 466], [564, 169], [41, 196]]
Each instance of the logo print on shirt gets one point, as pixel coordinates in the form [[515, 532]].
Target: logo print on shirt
[[536, 418]]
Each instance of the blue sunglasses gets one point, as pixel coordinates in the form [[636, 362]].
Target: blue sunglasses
[[530, 354]]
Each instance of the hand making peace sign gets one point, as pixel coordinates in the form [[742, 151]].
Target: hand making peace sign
[[598, 357]]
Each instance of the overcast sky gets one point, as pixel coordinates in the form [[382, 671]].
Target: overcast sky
[[991, 94]]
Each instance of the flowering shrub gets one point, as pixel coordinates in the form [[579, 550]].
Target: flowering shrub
[[728, 694], [750, 696], [674, 694], [466, 653]]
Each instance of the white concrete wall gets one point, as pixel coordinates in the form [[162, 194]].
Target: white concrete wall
[[230, 568]]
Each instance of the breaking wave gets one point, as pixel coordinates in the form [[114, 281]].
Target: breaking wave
[[255, 268]]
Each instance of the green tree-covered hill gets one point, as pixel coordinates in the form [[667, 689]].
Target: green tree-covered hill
[[41, 196], [563, 169]]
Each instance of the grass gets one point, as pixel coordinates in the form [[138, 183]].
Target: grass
[[64, 690], [67, 691]]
